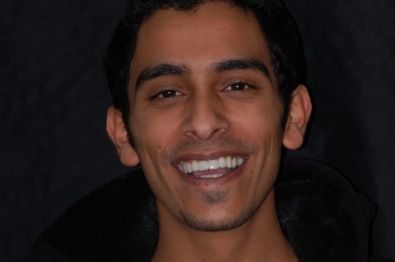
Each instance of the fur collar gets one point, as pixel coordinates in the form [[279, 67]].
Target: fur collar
[[321, 215]]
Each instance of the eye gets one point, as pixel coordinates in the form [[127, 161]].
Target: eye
[[238, 86], [166, 94]]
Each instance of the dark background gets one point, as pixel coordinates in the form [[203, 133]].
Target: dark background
[[53, 100]]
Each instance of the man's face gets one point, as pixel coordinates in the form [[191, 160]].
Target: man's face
[[206, 114]]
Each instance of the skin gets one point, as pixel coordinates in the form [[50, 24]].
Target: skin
[[194, 109]]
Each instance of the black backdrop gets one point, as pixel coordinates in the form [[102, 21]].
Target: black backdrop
[[53, 100]]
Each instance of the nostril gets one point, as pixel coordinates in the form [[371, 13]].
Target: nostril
[[206, 132], [205, 118]]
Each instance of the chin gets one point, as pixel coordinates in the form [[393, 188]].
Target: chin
[[224, 222]]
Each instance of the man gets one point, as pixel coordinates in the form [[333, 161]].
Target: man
[[206, 96]]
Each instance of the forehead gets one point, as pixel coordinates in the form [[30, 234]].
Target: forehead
[[211, 32]]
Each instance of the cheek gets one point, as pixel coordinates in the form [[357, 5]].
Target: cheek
[[258, 122], [153, 133]]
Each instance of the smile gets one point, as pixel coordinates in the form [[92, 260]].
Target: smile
[[211, 169]]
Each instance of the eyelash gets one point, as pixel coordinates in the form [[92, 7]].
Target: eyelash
[[238, 85], [170, 93], [165, 94]]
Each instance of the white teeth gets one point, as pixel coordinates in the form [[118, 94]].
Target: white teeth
[[195, 165], [222, 162], [234, 162], [210, 176], [189, 167], [202, 166], [229, 161], [212, 164]]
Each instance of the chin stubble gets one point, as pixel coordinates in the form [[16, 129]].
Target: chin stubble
[[214, 197], [210, 225]]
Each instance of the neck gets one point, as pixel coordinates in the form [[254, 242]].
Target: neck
[[259, 239]]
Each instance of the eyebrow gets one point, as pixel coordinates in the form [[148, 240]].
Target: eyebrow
[[179, 69], [158, 71], [243, 63]]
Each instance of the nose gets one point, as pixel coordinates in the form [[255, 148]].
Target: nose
[[206, 118]]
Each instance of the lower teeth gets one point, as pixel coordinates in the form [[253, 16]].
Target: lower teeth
[[210, 176]]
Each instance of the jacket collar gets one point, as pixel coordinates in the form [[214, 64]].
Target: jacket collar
[[320, 213]]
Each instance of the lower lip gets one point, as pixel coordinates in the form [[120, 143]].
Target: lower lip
[[214, 181]]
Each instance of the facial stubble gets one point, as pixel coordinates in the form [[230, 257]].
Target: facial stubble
[[207, 224]]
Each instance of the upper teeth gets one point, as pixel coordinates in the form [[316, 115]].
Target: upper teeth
[[222, 162]]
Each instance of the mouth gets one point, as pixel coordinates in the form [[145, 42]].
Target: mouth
[[212, 168]]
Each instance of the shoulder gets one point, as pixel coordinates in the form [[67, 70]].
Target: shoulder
[[320, 212], [114, 223], [324, 218]]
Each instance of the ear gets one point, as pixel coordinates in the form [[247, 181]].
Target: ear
[[298, 118], [119, 136]]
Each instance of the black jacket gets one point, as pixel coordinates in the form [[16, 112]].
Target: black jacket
[[320, 213]]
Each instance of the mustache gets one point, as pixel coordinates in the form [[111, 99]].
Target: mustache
[[221, 144]]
